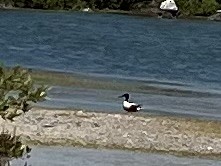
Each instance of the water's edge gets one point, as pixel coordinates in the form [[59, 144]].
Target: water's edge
[[44, 156], [97, 93], [111, 11]]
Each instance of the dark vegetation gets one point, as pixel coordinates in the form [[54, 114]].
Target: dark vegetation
[[198, 7], [17, 93], [187, 7]]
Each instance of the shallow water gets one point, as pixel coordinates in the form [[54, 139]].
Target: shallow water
[[58, 156], [107, 101], [177, 54]]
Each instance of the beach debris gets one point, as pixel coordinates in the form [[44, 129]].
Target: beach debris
[[48, 125], [78, 124], [96, 124], [209, 148], [125, 135], [144, 132], [82, 114]]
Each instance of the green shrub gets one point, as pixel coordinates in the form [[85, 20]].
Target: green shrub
[[11, 146], [17, 92], [197, 7], [209, 7]]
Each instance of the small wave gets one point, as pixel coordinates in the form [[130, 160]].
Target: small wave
[[17, 48]]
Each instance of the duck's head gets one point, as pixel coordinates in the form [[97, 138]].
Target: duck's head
[[126, 96]]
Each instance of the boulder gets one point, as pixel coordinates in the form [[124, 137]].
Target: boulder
[[6, 6], [165, 14], [87, 10], [169, 5], [215, 17]]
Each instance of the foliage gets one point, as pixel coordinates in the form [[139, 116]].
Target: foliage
[[79, 4], [198, 7], [187, 7], [219, 2], [117, 4], [7, 2], [208, 7], [11, 146], [17, 92]]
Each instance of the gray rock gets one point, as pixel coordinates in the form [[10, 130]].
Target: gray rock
[[48, 125], [168, 5], [215, 17], [167, 14], [6, 6]]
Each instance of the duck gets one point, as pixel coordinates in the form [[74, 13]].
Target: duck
[[129, 106]]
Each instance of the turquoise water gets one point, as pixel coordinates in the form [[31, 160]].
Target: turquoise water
[[176, 54]]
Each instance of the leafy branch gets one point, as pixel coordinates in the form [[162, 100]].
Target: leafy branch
[[18, 92]]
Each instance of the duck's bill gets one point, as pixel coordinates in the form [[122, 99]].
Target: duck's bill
[[120, 96]]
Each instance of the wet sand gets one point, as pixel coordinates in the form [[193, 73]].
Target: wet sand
[[136, 132]]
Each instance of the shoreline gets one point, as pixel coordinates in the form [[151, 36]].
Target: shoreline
[[143, 133], [119, 12]]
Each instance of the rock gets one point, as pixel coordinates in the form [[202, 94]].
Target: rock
[[144, 132], [125, 135], [215, 17], [117, 116], [48, 125], [78, 124], [96, 125], [87, 10], [168, 9], [81, 114], [165, 14], [6, 6], [81, 141], [168, 5]]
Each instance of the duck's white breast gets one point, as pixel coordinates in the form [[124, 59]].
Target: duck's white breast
[[126, 104]]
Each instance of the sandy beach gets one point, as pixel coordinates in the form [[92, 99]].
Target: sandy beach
[[140, 132]]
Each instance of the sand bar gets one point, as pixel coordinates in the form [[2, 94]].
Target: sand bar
[[148, 133]]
